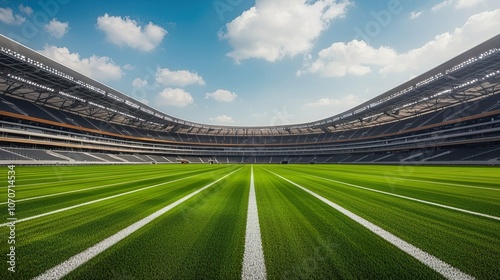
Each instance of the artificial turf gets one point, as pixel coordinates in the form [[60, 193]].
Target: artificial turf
[[302, 237]]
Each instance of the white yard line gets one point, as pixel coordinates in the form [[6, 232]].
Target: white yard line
[[446, 270], [254, 266], [62, 269], [410, 198], [91, 188], [95, 201]]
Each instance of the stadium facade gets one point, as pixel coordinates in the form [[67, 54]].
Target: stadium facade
[[51, 114]]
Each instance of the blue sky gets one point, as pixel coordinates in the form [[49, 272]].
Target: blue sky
[[240, 62]]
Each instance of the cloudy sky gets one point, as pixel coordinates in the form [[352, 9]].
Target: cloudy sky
[[242, 62]]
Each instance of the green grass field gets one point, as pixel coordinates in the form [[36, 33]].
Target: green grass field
[[451, 214]]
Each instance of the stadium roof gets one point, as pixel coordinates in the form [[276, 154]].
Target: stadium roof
[[27, 74]]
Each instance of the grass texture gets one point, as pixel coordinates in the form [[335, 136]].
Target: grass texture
[[204, 237]]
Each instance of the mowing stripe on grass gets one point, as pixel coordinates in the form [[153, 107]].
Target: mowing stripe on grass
[[62, 269], [78, 178], [254, 266], [92, 188], [446, 270], [81, 177], [453, 184], [410, 198], [97, 200]]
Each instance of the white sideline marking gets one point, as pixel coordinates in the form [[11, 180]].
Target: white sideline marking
[[78, 178], [446, 270], [254, 266], [95, 201], [411, 198], [91, 188], [62, 269], [453, 184]]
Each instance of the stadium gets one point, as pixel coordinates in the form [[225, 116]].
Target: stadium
[[52, 114], [404, 185]]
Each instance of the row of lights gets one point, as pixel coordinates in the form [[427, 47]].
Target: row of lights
[[72, 96], [91, 87], [466, 84], [429, 80], [31, 83], [492, 74], [440, 75], [97, 105], [132, 104], [116, 97], [392, 96], [44, 67], [113, 110], [472, 60], [35, 63]]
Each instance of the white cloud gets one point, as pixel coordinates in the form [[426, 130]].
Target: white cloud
[[99, 68], [358, 58], [355, 58], [8, 17], [415, 14], [181, 78], [56, 28], [458, 4], [259, 115], [441, 5], [463, 4], [174, 97], [339, 105], [138, 82], [272, 30], [223, 119], [477, 29], [27, 10], [127, 32], [128, 67], [222, 95]]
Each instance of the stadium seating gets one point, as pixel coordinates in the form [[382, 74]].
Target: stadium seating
[[158, 158], [104, 157], [36, 154], [77, 156], [465, 154], [9, 155], [130, 158]]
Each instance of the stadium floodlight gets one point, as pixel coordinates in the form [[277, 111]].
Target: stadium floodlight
[[97, 105], [29, 82], [115, 97], [131, 104], [72, 96]]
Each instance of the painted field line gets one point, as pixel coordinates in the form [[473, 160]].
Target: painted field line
[[97, 200], [452, 184], [62, 269], [80, 178], [446, 270], [91, 188], [429, 181], [409, 198], [254, 266]]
